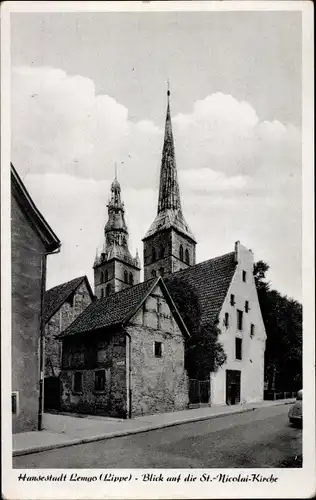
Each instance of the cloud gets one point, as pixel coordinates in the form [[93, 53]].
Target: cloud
[[240, 177]]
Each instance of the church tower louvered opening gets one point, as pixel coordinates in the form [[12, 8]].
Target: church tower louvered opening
[[169, 244], [115, 269]]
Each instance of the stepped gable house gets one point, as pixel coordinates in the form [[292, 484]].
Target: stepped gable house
[[32, 239], [62, 304], [149, 361]]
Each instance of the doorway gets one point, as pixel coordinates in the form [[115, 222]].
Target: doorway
[[233, 387]]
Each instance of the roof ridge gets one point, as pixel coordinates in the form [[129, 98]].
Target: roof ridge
[[66, 282]]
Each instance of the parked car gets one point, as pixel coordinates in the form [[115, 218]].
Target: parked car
[[296, 410]]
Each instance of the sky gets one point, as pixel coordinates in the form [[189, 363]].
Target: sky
[[88, 90]]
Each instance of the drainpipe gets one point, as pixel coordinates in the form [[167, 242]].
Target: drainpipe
[[129, 373], [42, 339]]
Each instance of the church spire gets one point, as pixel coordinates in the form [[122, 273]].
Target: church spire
[[169, 193]]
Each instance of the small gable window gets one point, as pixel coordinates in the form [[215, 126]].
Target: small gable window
[[99, 380], [158, 349], [187, 256], [70, 299], [77, 382], [244, 276], [238, 347], [252, 330], [131, 279], [153, 255], [125, 277], [181, 252], [239, 319], [153, 273], [232, 299], [246, 306], [226, 320], [108, 289]]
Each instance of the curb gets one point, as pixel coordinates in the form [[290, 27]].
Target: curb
[[126, 432], [122, 433]]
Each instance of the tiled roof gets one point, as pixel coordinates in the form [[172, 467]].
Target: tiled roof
[[110, 310], [209, 281], [55, 297]]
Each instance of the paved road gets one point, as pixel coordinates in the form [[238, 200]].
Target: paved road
[[259, 438]]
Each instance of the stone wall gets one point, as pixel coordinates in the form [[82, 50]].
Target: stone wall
[[115, 270], [159, 384], [27, 250], [106, 352], [58, 323]]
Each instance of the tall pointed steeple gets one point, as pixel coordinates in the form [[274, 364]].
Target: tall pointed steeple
[[169, 244], [169, 193]]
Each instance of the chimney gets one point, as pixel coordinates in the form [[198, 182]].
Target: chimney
[[237, 243]]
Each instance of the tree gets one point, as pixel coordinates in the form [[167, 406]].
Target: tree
[[204, 353], [282, 318]]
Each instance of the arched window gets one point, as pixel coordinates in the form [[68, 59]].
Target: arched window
[[101, 277], [181, 252], [187, 256], [131, 279], [153, 255], [153, 273], [106, 276], [125, 277], [162, 252], [102, 293], [161, 271], [108, 289]]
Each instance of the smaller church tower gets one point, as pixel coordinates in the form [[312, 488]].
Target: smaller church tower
[[115, 269], [169, 244]]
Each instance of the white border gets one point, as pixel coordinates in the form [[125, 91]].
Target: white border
[[292, 483]]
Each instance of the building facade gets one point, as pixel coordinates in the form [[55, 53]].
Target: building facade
[[115, 269], [31, 240], [124, 355]]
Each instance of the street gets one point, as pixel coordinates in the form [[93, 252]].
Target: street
[[259, 438]]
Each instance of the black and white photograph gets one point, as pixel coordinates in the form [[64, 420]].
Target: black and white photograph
[[156, 273]]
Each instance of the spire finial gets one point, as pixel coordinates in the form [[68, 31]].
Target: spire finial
[[115, 167]]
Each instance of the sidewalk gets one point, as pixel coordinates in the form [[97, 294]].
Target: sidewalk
[[62, 430]]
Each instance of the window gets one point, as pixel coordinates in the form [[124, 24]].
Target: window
[[162, 252], [246, 306], [108, 289], [239, 319], [153, 255], [244, 276], [77, 382], [102, 293], [15, 402], [181, 252], [106, 276], [232, 299], [226, 320], [70, 300], [102, 277], [161, 271], [238, 346], [187, 256], [131, 279], [153, 273], [158, 349], [125, 277], [252, 330], [99, 380]]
